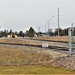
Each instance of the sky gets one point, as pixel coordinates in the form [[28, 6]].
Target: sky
[[22, 14]]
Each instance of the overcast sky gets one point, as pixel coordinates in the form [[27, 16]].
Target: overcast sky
[[23, 14]]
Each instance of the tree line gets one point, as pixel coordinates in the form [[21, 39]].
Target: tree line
[[28, 33], [31, 32]]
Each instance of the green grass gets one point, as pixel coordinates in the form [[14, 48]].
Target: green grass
[[31, 69]]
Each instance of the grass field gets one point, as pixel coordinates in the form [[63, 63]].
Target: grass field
[[31, 69], [25, 61], [21, 56], [55, 38], [26, 55]]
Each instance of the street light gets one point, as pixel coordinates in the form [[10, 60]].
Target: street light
[[49, 24], [45, 28]]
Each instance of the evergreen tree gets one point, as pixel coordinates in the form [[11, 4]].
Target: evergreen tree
[[31, 32], [21, 34]]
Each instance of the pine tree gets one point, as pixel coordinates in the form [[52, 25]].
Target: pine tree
[[31, 32]]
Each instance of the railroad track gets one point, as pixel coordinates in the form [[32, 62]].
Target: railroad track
[[39, 46], [62, 46]]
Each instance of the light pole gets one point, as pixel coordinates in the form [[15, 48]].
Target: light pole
[[0, 29], [45, 29], [58, 22], [72, 33], [49, 24]]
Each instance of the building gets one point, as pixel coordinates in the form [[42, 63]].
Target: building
[[12, 36]]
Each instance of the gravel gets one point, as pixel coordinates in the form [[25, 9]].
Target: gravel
[[66, 62]]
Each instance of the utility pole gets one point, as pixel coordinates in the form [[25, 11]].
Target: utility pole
[[45, 29], [72, 33], [48, 27], [49, 24], [58, 21], [38, 31]]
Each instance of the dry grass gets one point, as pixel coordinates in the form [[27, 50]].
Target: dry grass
[[26, 41], [21, 56], [55, 38], [19, 41], [27, 55], [9, 56], [17, 60]]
